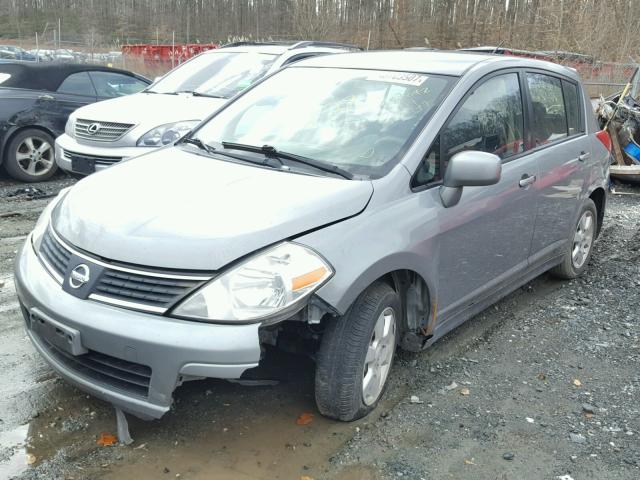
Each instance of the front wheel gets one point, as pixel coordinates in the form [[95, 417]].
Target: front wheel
[[30, 156], [356, 354], [576, 258]]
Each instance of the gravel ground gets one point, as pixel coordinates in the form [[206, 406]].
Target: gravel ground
[[542, 385], [549, 390]]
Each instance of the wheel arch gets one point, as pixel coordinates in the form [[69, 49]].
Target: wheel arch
[[416, 297]]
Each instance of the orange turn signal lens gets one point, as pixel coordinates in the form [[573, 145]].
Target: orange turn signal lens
[[307, 279]]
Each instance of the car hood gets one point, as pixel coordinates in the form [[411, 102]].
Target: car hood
[[149, 110], [177, 210]]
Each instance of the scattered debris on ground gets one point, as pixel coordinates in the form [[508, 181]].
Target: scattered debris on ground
[[619, 115]]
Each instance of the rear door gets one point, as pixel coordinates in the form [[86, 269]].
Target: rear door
[[562, 150]]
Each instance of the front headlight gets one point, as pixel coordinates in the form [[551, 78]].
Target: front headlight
[[43, 220], [70, 127], [166, 134], [264, 286]]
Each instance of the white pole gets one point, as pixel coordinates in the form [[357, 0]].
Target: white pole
[[369, 40], [59, 34], [173, 48], [37, 49]]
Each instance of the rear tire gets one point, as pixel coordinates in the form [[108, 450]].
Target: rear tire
[[31, 156], [576, 259], [356, 355]]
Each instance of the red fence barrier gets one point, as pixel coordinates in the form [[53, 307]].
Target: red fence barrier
[[176, 54]]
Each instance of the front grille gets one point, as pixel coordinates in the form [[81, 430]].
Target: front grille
[[56, 257], [97, 159], [141, 289], [118, 284], [105, 131], [128, 377]]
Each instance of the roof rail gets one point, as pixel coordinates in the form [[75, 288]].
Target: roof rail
[[247, 43], [314, 43]]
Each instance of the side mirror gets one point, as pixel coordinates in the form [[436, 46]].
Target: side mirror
[[470, 168]]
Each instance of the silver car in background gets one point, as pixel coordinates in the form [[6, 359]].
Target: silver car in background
[[358, 202], [99, 136]]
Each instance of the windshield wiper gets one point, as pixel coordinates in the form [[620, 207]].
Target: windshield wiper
[[199, 143], [209, 149], [272, 152], [200, 94]]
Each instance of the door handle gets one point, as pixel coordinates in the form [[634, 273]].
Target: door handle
[[583, 156], [526, 180], [46, 97]]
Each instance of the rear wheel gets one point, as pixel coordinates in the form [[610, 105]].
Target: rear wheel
[[356, 355], [31, 156], [580, 248]]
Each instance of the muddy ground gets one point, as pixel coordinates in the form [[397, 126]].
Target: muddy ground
[[544, 384]]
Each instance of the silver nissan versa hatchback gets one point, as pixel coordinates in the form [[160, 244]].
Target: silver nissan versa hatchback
[[356, 202]]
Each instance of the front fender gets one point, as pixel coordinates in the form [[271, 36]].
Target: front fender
[[399, 236]]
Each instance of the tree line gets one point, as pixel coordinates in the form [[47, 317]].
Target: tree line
[[608, 30]]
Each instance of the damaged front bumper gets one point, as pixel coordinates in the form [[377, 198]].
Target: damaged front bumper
[[131, 359]]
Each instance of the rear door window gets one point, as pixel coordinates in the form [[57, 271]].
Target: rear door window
[[549, 116], [572, 103], [77, 84]]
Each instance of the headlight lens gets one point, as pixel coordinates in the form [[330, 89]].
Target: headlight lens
[[70, 127], [166, 134], [43, 220], [259, 288]]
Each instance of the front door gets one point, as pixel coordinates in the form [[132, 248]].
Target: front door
[[485, 239]]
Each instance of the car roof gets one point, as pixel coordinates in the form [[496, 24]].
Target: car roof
[[49, 76], [441, 62]]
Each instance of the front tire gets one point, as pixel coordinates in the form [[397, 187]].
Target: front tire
[[356, 354], [576, 259], [31, 156]]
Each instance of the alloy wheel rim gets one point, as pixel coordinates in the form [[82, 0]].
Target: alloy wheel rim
[[34, 156], [377, 362], [583, 239]]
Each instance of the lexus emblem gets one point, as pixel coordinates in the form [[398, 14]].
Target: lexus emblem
[[79, 276], [93, 128]]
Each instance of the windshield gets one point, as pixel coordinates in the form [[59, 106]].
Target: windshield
[[359, 120], [216, 74]]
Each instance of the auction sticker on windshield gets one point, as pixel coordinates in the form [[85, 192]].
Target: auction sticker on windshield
[[405, 78]]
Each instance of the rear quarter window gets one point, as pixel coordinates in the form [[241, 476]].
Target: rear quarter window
[[575, 122], [549, 119], [77, 84]]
